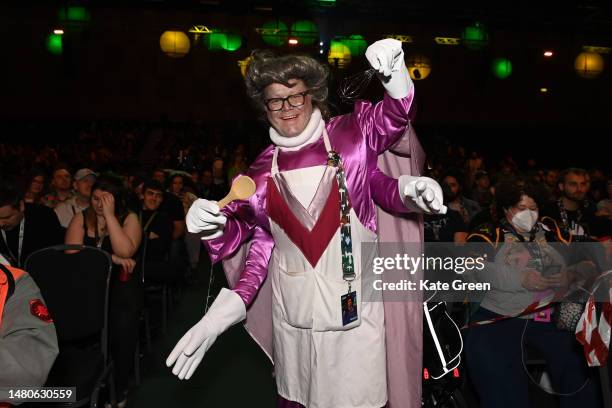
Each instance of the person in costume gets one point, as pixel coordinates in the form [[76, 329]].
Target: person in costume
[[312, 210]]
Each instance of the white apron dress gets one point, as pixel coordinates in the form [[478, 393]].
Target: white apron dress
[[319, 362]]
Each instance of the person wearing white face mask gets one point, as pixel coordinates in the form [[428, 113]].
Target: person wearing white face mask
[[309, 173], [521, 254]]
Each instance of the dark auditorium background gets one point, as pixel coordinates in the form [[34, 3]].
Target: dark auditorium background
[[112, 66], [525, 86]]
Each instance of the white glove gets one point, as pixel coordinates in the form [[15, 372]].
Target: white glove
[[227, 310], [387, 57], [422, 194], [204, 216]]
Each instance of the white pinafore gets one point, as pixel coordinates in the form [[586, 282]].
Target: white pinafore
[[319, 362]]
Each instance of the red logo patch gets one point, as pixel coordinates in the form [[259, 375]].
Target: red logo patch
[[38, 309]]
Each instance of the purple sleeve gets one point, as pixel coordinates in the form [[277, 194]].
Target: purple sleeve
[[383, 123], [256, 267], [239, 228], [385, 192]]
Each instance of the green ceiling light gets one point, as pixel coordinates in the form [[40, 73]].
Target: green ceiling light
[[356, 43], [475, 37], [305, 31], [74, 18], [232, 42], [74, 14], [502, 68], [274, 33], [217, 41], [54, 44]]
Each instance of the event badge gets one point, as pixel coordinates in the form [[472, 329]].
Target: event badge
[[348, 303]]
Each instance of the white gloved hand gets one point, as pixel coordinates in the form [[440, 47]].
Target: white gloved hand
[[227, 310], [422, 194], [387, 58], [204, 216]]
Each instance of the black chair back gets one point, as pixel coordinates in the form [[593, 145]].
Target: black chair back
[[75, 288]]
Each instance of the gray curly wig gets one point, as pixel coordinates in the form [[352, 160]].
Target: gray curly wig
[[266, 68]]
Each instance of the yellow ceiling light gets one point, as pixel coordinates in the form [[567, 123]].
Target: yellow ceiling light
[[401, 37], [447, 40]]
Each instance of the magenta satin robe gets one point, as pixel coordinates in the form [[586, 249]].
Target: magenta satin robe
[[359, 138]]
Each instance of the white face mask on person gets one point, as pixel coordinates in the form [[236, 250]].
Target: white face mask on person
[[525, 219]]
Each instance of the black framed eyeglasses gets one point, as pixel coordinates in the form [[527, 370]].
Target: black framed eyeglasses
[[295, 100]]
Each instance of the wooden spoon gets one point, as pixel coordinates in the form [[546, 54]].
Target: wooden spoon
[[243, 187]]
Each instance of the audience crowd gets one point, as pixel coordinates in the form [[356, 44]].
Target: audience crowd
[[126, 188]]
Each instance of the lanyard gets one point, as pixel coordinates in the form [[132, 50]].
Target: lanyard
[[17, 259], [533, 247], [346, 243], [149, 221]]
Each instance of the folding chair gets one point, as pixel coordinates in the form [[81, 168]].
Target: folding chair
[[75, 287]]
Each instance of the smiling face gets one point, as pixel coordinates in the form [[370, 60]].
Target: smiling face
[[290, 121], [152, 199]]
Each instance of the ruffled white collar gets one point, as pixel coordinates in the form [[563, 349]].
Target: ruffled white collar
[[310, 134]]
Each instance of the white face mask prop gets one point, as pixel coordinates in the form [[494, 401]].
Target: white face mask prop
[[525, 220]]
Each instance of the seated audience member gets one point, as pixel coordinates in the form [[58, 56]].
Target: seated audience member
[[456, 201], [180, 190], [572, 211], [602, 224], [482, 190], [219, 174], [159, 175], [28, 342], [208, 189], [108, 224], [190, 243], [551, 179], [84, 179], [24, 228], [61, 188], [447, 227], [157, 231], [195, 180], [474, 163], [35, 187], [172, 206], [494, 351], [238, 166]]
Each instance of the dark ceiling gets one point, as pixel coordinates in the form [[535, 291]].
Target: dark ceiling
[[594, 14]]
